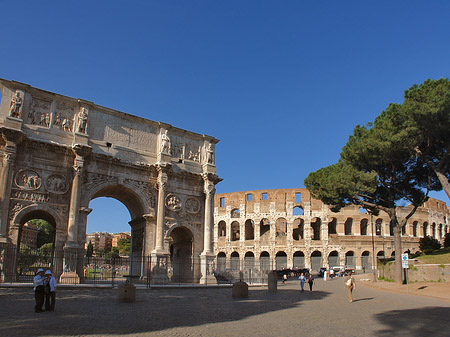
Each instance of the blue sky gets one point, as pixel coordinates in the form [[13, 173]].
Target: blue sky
[[282, 84]]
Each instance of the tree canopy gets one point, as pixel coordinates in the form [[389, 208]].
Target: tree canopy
[[380, 169]]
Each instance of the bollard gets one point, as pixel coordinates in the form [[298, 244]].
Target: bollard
[[272, 281], [240, 290], [126, 293]]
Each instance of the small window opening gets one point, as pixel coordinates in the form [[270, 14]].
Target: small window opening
[[264, 196], [222, 202], [298, 197], [249, 197]]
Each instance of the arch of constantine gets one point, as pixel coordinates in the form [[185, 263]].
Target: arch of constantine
[[58, 153], [287, 228]]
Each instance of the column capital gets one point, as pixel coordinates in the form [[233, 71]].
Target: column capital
[[81, 150], [12, 137]]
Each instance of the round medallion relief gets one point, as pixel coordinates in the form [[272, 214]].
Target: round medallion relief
[[57, 183], [28, 179], [192, 205], [173, 202]]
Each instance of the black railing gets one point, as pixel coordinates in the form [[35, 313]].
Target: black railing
[[21, 267]]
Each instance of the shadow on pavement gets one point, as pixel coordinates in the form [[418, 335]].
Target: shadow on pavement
[[97, 312], [363, 299], [427, 321]]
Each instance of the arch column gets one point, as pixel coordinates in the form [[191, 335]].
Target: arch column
[[73, 257], [162, 186], [207, 256], [12, 138]]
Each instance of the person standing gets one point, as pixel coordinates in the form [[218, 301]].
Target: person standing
[[351, 285], [284, 278], [310, 282], [302, 279], [38, 282], [50, 288]]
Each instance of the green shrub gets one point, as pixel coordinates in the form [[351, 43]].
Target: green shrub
[[429, 243], [447, 240]]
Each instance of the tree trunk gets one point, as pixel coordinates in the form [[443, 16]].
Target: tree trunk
[[444, 182], [398, 277]]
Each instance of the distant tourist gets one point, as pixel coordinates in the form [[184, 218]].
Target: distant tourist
[[310, 282], [38, 282], [302, 279], [351, 285], [50, 291], [284, 278]]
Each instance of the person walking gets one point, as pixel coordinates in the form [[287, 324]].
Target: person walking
[[50, 288], [350, 283], [310, 282], [284, 278], [302, 279], [38, 283]]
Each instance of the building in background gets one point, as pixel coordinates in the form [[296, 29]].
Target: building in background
[[256, 231], [118, 236], [29, 235]]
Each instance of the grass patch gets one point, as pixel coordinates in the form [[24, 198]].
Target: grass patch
[[441, 256]]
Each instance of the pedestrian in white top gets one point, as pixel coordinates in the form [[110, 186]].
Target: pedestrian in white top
[[38, 282], [50, 288]]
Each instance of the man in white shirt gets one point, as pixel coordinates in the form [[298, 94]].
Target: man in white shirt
[[50, 288], [38, 282]]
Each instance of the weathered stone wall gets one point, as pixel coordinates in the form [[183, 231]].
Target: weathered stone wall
[[419, 272]]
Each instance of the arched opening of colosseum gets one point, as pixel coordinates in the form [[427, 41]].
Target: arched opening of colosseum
[[333, 259], [298, 228], [235, 213], [222, 230], [235, 231], [36, 241], [264, 230], [350, 259], [381, 254], [391, 229], [280, 227], [221, 261], [316, 261], [299, 260], [180, 247], [440, 231], [235, 262], [297, 211], [433, 230], [446, 229], [393, 253], [249, 266], [366, 261], [379, 226], [332, 227], [281, 260], [425, 229], [363, 226], [316, 226], [264, 262], [348, 230], [404, 229], [414, 228], [249, 230]]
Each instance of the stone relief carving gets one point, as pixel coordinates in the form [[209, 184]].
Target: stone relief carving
[[81, 120], [165, 143], [28, 179], [15, 107], [173, 202], [197, 218], [39, 113], [57, 184], [14, 209], [64, 115], [147, 189], [192, 205], [31, 196], [192, 152], [138, 237]]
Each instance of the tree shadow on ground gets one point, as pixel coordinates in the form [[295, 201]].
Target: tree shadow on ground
[[90, 312], [427, 321]]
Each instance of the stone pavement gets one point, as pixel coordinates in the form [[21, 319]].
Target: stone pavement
[[213, 312], [439, 290]]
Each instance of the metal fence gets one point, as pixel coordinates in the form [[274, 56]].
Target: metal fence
[[21, 267]]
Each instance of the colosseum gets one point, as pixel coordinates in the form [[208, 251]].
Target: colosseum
[[256, 231]]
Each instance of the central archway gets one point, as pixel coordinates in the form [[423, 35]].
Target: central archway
[[180, 245]]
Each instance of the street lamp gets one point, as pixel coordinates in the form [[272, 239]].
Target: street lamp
[[373, 252]]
